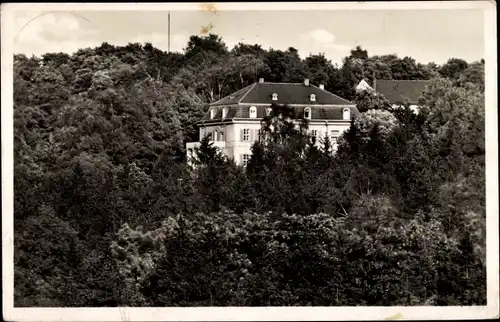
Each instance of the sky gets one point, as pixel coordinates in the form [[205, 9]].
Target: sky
[[426, 35]]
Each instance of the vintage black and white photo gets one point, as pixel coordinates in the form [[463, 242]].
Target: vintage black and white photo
[[199, 156]]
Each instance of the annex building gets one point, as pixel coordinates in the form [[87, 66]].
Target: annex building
[[397, 92]]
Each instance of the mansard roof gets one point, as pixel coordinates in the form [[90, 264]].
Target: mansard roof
[[399, 91], [317, 112], [325, 106], [288, 93]]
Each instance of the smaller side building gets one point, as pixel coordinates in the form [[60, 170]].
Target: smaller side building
[[397, 92]]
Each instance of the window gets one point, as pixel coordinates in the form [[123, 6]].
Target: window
[[335, 135], [346, 114], [245, 159], [314, 133], [312, 97], [259, 135], [212, 113], [246, 135], [268, 111], [224, 112], [307, 113], [217, 136], [275, 97], [253, 112]]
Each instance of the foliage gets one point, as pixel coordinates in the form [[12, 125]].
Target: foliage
[[453, 68], [370, 100], [393, 214], [226, 259], [383, 122], [47, 261]]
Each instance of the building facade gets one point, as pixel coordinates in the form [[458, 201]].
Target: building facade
[[233, 123]]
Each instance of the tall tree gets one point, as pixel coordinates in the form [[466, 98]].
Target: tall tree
[[453, 68], [318, 69]]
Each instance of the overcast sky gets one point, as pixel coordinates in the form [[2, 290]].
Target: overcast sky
[[426, 35]]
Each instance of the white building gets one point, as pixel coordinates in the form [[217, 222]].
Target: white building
[[234, 122]]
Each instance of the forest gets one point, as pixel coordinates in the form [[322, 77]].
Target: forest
[[107, 211]]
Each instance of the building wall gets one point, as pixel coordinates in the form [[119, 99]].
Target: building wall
[[204, 130], [234, 147], [363, 85]]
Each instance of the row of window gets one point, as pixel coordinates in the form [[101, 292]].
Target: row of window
[[312, 97], [346, 113], [252, 113], [216, 135], [253, 134], [334, 134], [248, 135]]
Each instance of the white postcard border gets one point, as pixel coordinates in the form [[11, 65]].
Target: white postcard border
[[255, 313]]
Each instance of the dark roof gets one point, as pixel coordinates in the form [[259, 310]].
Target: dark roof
[[233, 98], [317, 112], [327, 106], [399, 91], [288, 93]]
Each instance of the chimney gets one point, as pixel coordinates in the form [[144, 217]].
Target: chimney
[[321, 86], [306, 81], [261, 80]]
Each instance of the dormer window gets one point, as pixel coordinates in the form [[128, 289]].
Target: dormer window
[[224, 112], [268, 111], [307, 113], [252, 112], [275, 97], [312, 97], [346, 113], [212, 113]]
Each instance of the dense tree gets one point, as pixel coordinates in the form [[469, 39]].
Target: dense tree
[[47, 262], [245, 49], [274, 168], [371, 100], [283, 66], [260, 259], [473, 74], [319, 69], [359, 53], [108, 213], [453, 68], [202, 49], [383, 122]]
